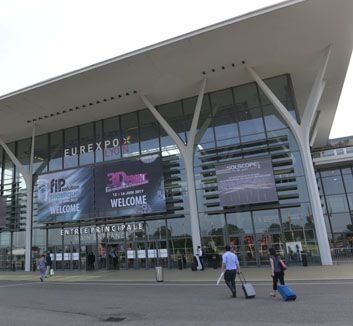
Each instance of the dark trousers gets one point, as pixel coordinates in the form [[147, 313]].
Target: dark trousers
[[201, 262], [278, 276], [229, 278]]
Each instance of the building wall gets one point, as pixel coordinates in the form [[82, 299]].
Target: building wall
[[240, 123]]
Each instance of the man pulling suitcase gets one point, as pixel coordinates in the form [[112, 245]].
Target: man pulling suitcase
[[230, 266]]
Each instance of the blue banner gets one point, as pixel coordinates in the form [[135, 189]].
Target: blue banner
[[65, 195]]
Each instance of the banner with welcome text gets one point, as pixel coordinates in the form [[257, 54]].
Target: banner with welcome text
[[65, 195], [130, 187]]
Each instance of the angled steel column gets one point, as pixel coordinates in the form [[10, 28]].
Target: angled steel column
[[187, 152], [301, 133], [29, 194]]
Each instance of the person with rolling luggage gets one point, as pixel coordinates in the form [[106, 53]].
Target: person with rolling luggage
[[277, 270], [230, 266]]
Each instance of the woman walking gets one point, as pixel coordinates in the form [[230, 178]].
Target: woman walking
[[42, 267], [277, 268]]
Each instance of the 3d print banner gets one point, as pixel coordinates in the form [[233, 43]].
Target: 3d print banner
[[65, 195], [130, 187], [246, 182]]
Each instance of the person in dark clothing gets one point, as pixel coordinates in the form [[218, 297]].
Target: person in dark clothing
[[277, 270], [48, 263], [93, 259]]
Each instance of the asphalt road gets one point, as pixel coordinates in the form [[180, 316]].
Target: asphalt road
[[59, 303]]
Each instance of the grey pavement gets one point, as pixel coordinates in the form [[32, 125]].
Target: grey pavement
[[58, 303], [294, 273], [133, 297]]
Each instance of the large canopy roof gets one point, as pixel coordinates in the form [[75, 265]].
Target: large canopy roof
[[286, 38]]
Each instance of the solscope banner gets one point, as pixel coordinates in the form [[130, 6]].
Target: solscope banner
[[65, 195], [130, 187], [246, 182]]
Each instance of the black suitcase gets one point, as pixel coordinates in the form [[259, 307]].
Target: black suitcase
[[194, 264], [247, 287]]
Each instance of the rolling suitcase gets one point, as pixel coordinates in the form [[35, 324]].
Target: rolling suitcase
[[287, 293], [194, 264], [247, 287]]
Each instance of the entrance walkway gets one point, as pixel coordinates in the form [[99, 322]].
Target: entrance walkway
[[295, 273]]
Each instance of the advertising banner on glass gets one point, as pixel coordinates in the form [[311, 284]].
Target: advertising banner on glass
[[130, 187], [246, 182], [65, 195], [2, 212]]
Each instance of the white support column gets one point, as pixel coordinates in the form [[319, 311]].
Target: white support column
[[29, 194], [29, 206], [187, 152], [301, 133]]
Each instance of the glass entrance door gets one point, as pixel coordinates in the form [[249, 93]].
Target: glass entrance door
[[268, 232], [157, 254]]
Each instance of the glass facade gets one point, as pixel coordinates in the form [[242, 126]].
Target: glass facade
[[235, 124], [336, 190]]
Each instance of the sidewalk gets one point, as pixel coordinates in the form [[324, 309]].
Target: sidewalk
[[253, 274]]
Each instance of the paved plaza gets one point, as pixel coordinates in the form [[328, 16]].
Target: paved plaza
[[184, 298]]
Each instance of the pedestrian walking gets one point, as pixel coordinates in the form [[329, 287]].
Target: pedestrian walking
[[230, 267], [200, 255], [42, 267], [48, 263], [277, 270]]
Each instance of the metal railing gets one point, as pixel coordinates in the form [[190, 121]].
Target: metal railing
[[340, 255], [333, 152]]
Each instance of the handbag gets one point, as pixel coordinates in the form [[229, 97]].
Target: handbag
[[283, 265], [51, 272]]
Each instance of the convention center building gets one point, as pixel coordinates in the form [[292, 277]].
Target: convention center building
[[219, 136]]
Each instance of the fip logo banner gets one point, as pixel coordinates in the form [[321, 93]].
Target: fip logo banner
[[65, 195]]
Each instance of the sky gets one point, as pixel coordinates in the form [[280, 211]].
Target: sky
[[41, 39]]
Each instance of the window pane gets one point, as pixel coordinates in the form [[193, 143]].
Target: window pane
[[348, 182], [149, 132], [56, 150], [279, 86], [272, 119], [130, 135], [24, 152], [337, 204], [72, 149], [212, 224], [333, 185], [40, 163], [246, 96], [266, 221], [341, 222], [173, 114], [330, 173], [111, 139], [250, 122], [99, 141], [87, 142], [239, 223], [205, 130]]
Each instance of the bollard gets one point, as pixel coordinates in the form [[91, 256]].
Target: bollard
[[159, 274]]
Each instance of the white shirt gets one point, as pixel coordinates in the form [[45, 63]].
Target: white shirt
[[230, 259], [199, 252]]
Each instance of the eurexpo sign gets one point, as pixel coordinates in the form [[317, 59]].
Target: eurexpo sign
[[98, 146]]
